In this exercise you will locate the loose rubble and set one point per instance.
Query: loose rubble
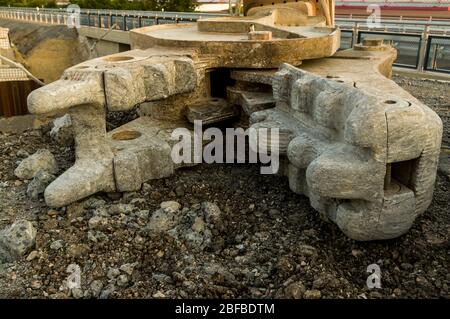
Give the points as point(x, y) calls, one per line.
point(42, 160)
point(226, 232)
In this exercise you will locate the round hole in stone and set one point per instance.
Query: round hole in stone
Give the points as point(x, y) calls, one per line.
point(118, 58)
point(126, 135)
point(390, 102)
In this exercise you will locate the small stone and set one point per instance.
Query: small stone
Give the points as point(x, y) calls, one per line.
point(97, 222)
point(32, 255)
point(318, 283)
point(16, 240)
point(307, 251)
point(52, 212)
point(106, 293)
point(37, 186)
point(159, 294)
point(122, 209)
point(101, 212)
point(42, 160)
point(162, 220)
point(212, 212)
point(78, 250)
point(128, 268)
point(77, 293)
point(57, 244)
point(179, 190)
point(36, 284)
point(96, 288)
point(93, 203)
point(170, 206)
point(295, 290)
point(113, 273)
point(143, 214)
point(357, 253)
point(122, 281)
point(195, 239)
point(199, 225)
point(313, 294)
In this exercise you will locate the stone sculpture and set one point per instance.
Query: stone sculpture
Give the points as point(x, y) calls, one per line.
point(363, 150)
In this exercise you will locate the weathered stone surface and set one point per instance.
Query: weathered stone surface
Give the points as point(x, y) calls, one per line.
point(16, 240)
point(366, 160)
point(42, 160)
point(162, 220)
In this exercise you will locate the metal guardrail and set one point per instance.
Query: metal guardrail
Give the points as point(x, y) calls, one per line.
point(422, 45)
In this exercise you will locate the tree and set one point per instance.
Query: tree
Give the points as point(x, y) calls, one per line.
point(145, 5)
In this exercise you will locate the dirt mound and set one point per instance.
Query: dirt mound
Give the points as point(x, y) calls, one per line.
point(46, 50)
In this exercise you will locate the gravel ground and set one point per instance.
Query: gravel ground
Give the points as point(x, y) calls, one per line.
point(228, 232)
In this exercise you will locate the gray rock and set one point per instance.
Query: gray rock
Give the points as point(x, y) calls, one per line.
point(17, 240)
point(199, 225)
point(62, 131)
point(113, 273)
point(295, 290)
point(93, 202)
point(101, 212)
point(57, 244)
point(106, 293)
point(194, 238)
point(128, 268)
point(170, 206)
point(162, 220)
point(212, 212)
point(143, 214)
point(42, 160)
point(122, 209)
point(96, 288)
point(37, 186)
point(163, 278)
point(77, 293)
point(122, 281)
point(97, 222)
